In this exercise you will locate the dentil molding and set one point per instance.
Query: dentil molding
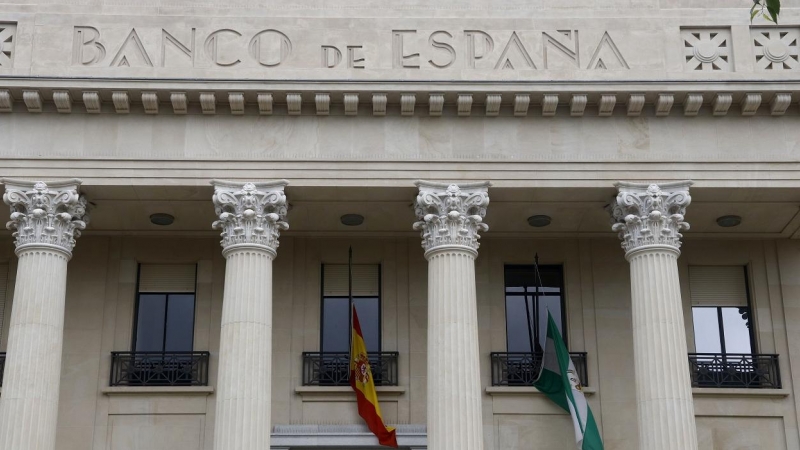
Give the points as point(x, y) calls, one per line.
point(650, 214)
point(457, 99)
point(451, 215)
point(42, 213)
point(250, 213)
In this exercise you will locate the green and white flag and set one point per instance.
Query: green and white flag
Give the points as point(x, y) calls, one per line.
point(560, 382)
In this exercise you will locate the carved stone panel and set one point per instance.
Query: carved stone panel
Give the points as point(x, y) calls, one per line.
point(776, 48)
point(7, 41)
point(707, 49)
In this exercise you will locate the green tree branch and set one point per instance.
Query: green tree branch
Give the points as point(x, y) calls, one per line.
point(768, 9)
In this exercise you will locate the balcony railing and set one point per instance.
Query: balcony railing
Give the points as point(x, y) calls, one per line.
point(333, 369)
point(521, 369)
point(2, 367)
point(734, 370)
point(159, 369)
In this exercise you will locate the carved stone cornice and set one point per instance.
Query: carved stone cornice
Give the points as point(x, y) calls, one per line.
point(50, 214)
point(334, 97)
point(250, 213)
point(451, 215)
point(650, 214)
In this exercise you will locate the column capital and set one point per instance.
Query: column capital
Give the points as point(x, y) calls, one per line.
point(46, 214)
point(650, 214)
point(450, 214)
point(250, 213)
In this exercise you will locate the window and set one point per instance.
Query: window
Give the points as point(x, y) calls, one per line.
point(723, 335)
point(165, 308)
point(522, 288)
point(331, 365)
point(529, 296)
point(721, 310)
point(163, 338)
point(335, 333)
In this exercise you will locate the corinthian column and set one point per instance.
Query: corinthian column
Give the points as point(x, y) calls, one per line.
point(251, 216)
point(649, 219)
point(450, 218)
point(46, 220)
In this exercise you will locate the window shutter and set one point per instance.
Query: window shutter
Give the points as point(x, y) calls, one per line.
point(366, 281)
point(717, 286)
point(171, 278)
point(3, 293)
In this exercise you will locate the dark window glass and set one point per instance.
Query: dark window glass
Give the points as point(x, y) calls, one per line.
point(516, 324)
point(528, 298)
point(336, 323)
point(369, 318)
point(180, 323)
point(165, 323)
point(722, 329)
point(150, 322)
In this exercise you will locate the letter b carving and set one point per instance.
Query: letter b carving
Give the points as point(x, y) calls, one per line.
point(86, 50)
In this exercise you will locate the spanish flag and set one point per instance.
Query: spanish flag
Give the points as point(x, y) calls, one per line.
point(362, 383)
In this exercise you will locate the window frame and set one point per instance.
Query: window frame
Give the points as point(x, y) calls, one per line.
point(350, 316)
point(135, 334)
point(720, 323)
point(563, 294)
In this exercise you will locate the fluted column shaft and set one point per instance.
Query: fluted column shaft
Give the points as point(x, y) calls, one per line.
point(29, 403)
point(454, 386)
point(46, 220)
point(450, 218)
point(245, 351)
point(649, 220)
point(663, 387)
point(251, 216)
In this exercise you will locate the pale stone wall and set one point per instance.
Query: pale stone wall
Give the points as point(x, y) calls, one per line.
point(393, 151)
point(100, 295)
point(125, 94)
point(406, 40)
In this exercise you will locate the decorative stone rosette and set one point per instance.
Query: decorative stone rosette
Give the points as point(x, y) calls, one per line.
point(651, 214)
point(451, 215)
point(51, 214)
point(250, 213)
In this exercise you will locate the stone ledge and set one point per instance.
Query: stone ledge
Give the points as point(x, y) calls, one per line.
point(732, 392)
point(345, 393)
point(344, 436)
point(526, 390)
point(390, 390)
point(157, 390)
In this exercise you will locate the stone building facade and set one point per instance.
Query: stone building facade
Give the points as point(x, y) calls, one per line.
point(136, 137)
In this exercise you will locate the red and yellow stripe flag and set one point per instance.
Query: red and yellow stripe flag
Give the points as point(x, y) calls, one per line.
point(362, 383)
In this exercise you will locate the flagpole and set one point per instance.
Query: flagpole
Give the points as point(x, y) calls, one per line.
point(536, 292)
point(350, 292)
point(530, 330)
point(539, 283)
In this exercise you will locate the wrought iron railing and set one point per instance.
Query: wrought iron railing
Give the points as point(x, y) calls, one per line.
point(735, 370)
point(521, 369)
point(333, 369)
point(159, 369)
point(2, 366)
